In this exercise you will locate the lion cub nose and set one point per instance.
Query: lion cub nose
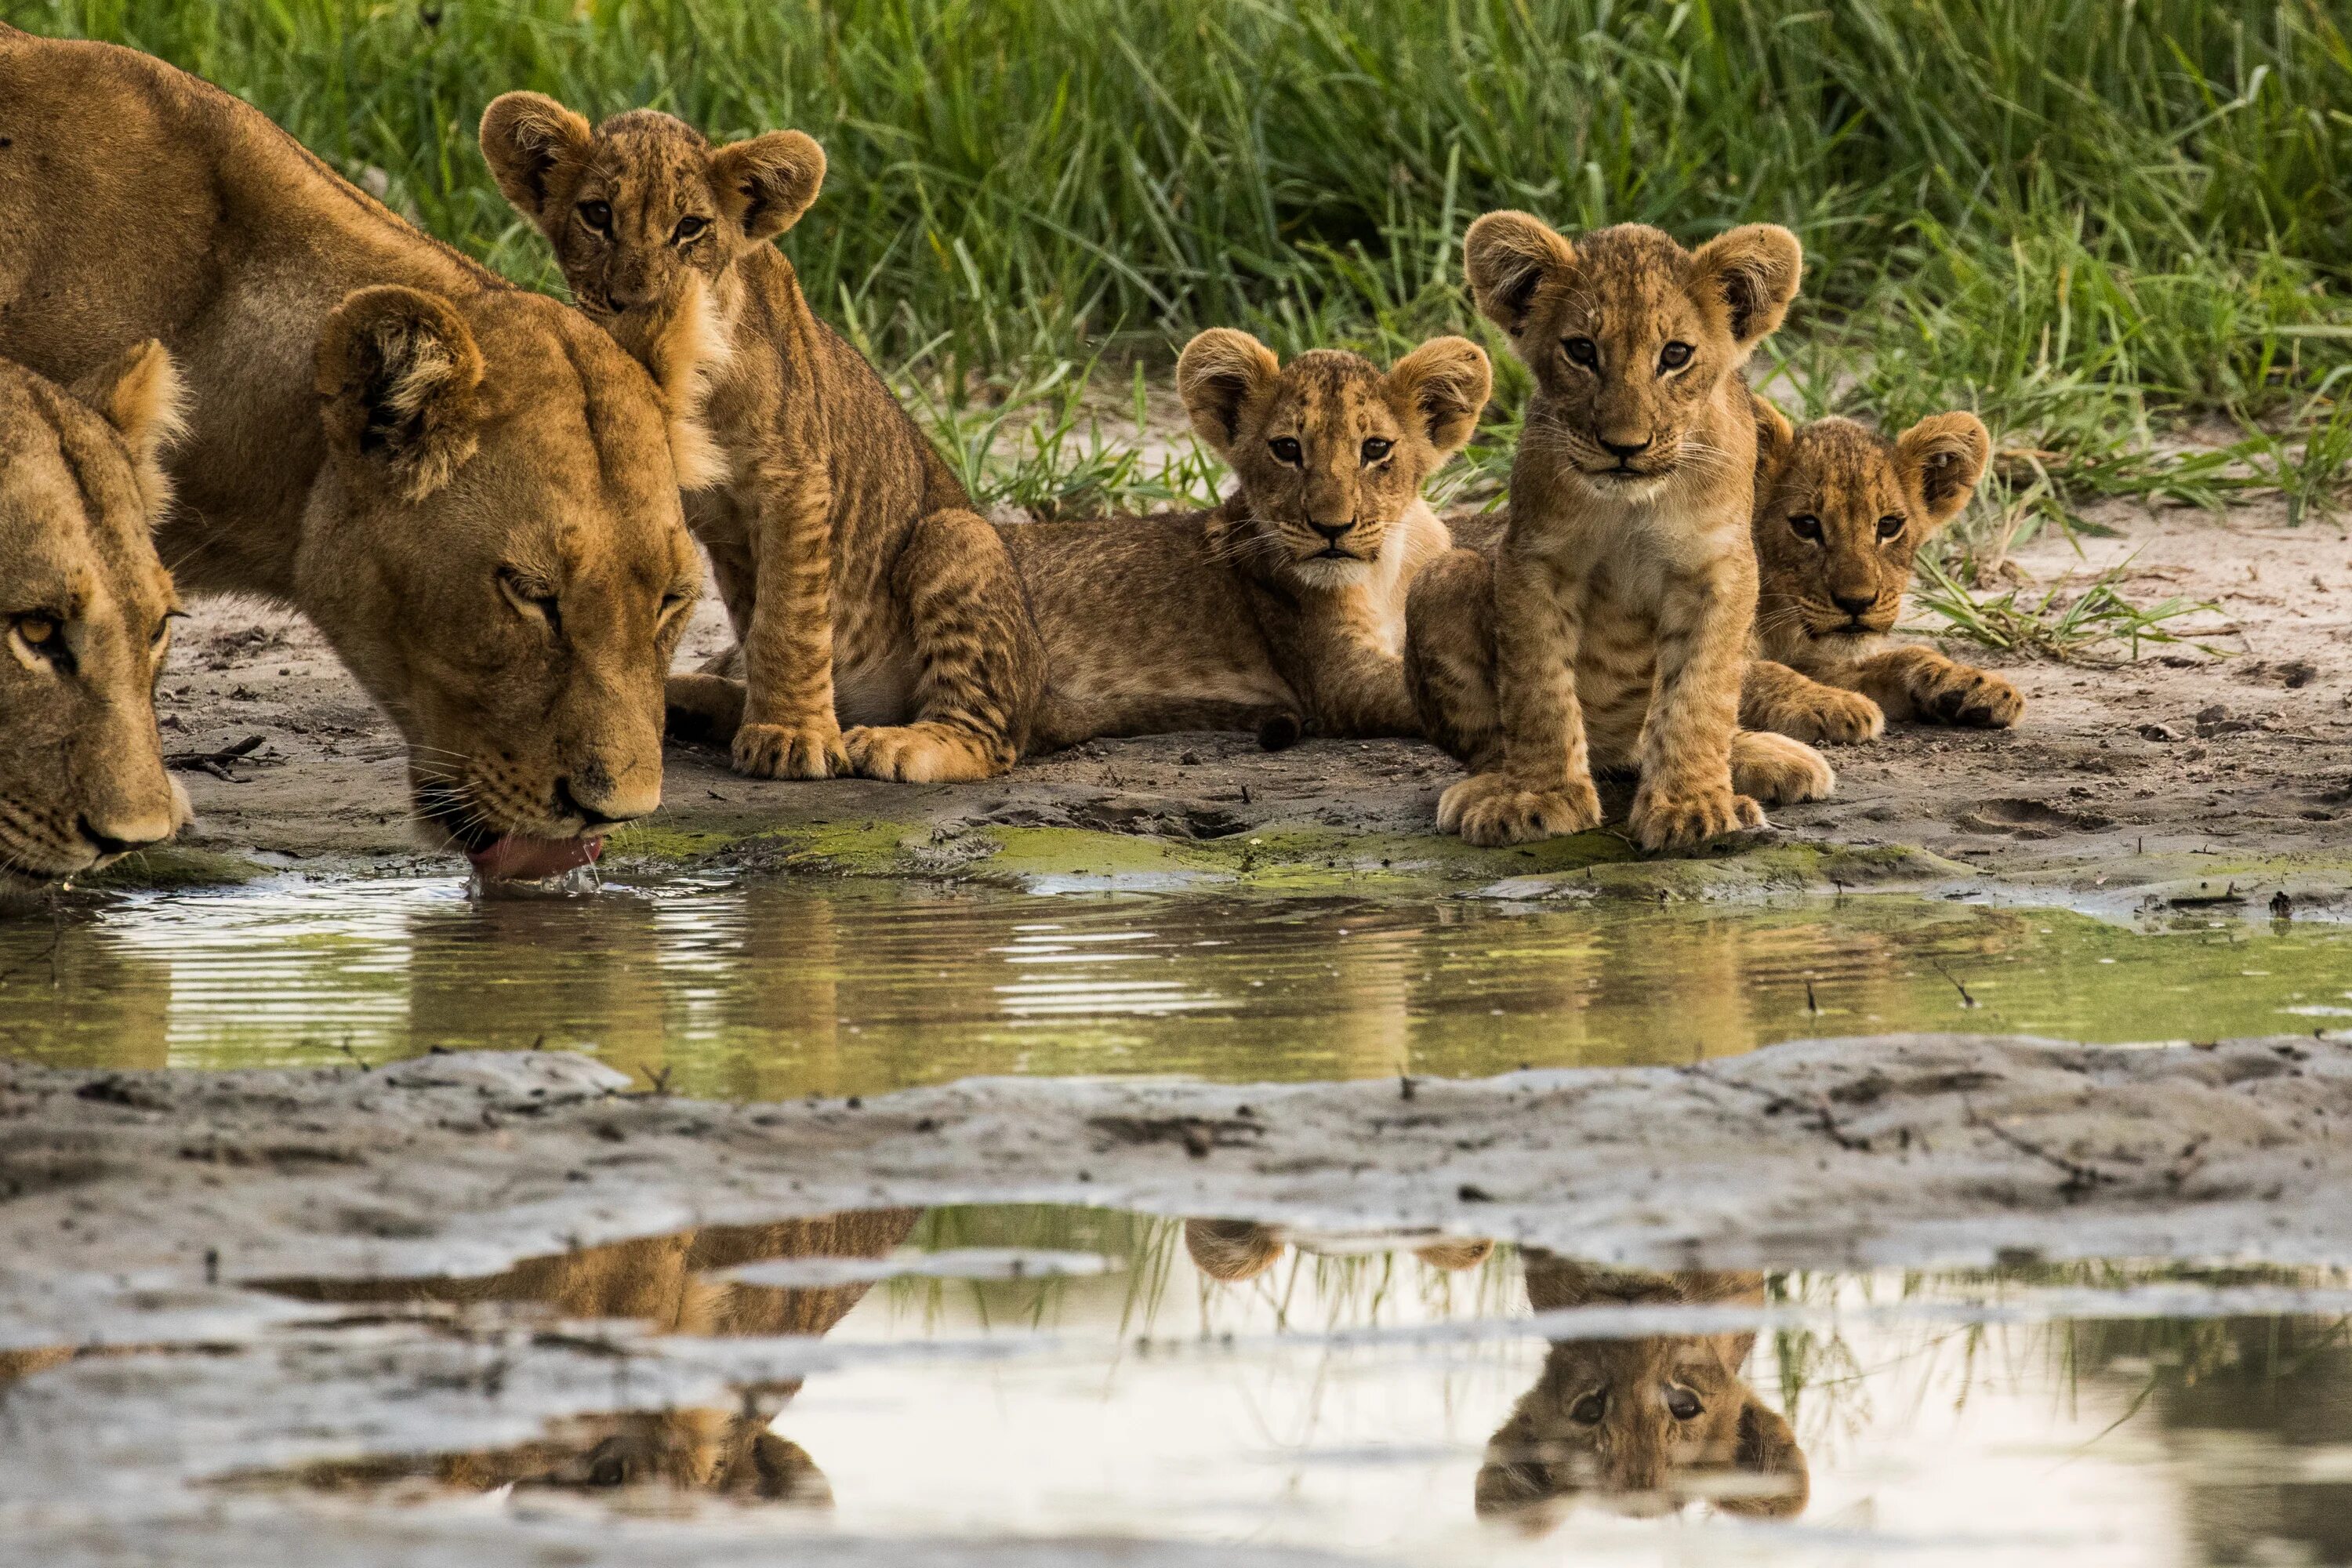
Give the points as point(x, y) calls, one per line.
point(1853, 604)
point(1333, 531)
point(1620, 450)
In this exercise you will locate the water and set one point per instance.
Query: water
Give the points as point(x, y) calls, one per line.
point(779, 987)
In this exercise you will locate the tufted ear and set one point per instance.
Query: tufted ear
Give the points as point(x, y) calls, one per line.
point(535, 148)
point(680, 341)
point(1507, 255)
point(1754, 271)
point(1775, 438)
point(1943, 456)
point(1232, 1250)
point(1218, 375)
point(1768, 1449)
point(765, 184)
point(400, 374)
point(139, 392)
point(1444, 383)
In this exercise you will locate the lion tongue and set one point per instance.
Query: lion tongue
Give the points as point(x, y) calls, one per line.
point(520, 858)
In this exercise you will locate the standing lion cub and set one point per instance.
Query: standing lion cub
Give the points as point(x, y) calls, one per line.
point(1611, 626)
point(861, 584)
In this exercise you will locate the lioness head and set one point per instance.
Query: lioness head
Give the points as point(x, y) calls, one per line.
point(496, 462)
point(1840, 513)
point(1632, 338)
point(641, 205)
point(84, 608)
point(1330, 450)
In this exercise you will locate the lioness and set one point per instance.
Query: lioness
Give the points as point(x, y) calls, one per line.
point(1283, 607)
point(468, 487)
point(85, 607)
point(1610, 627)
point(863, 588)
point(1840, 513)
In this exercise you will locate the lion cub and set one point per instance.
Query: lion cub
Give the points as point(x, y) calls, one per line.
point(84, 611)
point(864, 588)
point(1609, 625)
point(1840, 513)
point(1282, 609)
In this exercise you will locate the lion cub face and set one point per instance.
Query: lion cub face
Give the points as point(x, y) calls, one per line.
point(83, 609)
point(637, 204)
point(1840, 513)
point(1632, 339)
point(1329, 451)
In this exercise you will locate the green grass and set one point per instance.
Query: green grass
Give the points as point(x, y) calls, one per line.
point(2088, 220)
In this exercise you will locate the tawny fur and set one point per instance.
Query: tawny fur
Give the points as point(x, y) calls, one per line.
point(882, 628)
point(1282, 609)
point(467, 486)
point(1840, 515)
point(84, 608)
point(1608, 626)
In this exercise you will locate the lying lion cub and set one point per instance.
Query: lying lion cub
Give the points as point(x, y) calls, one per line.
point(84, 608)
point(1609, 625)
point(862, 585)
point(1283, 608)
point(1840, 513)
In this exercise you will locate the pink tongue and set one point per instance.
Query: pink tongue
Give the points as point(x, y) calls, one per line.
point(516, 859)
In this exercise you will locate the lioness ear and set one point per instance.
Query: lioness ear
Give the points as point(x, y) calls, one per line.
point(766, 183)
point(1754, 271)
point(400, 374)
point(533, 144)
point(1768, 1449)
point(1218, 375)
point(1507, 255)
point(680, 344)
point(1944, 455)
point(1774, 437)
point(1445, 383)
point(139, 394)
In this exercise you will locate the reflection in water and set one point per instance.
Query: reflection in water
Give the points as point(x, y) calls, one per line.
point(777, 988)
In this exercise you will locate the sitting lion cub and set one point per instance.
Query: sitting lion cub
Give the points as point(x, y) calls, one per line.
point(861, 584)
point(84, 608)
point(1840, 513)
point(1609, 625)
point(1283, 608)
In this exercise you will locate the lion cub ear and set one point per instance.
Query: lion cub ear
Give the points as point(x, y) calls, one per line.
point(1444, 383)
point(1943, 456)
point(1768, 1449)
point(1752, 272)
point(1233, 1250)
point(1775, 438)
point(764, 184)
point(680, 344)
point(1507, 255)
point(534, 147)
point(139, 392)
point(400, 374)
point(1220, 374)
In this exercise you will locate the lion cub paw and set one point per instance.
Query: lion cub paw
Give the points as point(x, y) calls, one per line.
point(1778, 771)
point(1688, 821)
point(1833, 717)
point(1976, 698)
point(922, 754)
point(1493, 809)
point(809, 751)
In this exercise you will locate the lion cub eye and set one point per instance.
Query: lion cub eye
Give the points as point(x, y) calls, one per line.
point(689, 228)
point(1589, 1410)
point(597, 215)
point(1805, 525)
point(1286, 450)
point(1889, 526)
point(1682, 1405)
point(1673, 356)
point(1583, 352)
point(1376, 448)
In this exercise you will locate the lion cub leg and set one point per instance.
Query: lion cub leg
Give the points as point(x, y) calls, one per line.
point(704, 707)
point(982, 663)
point(1789, 702)
point(1776, 770)
point(1687, 794)
point(1921, 683)
point(788, 730)
point(1449, 658)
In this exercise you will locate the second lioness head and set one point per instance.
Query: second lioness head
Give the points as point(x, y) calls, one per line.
point(1330, 450)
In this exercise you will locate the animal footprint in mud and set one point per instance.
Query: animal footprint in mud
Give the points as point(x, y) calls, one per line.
point(2028, 818)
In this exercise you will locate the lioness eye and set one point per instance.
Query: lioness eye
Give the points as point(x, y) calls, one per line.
point(1673, 356)
point(597, 215)
point(43, 635)
point(1805, 525)
point(1889, 526)
point(1376, 448)
point(1583, 350)
point(689, 228)
point(1682, 1405)
point(37, 630)
point(1286, 450)
point(1589, 1410)
point(531, 596)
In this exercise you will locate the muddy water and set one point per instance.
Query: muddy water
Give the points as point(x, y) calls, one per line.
point(784, 987)
point(1388, 1395)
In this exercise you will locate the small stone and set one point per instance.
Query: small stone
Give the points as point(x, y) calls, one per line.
point(2158, 732)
